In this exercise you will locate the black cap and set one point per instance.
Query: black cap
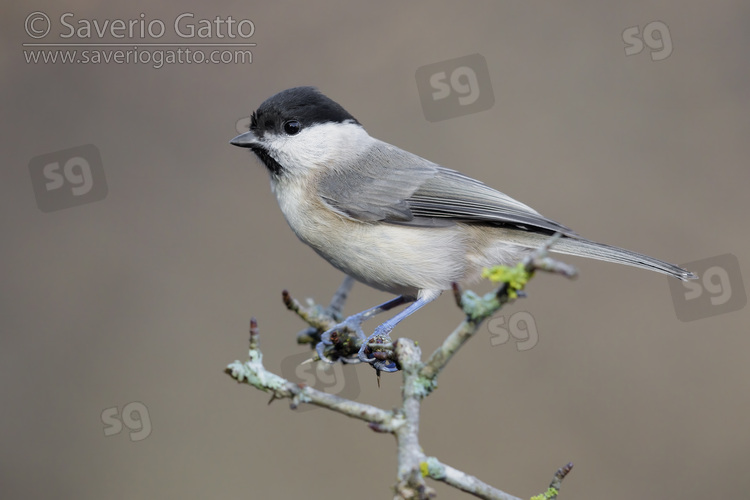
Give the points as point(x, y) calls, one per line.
point(307, 105)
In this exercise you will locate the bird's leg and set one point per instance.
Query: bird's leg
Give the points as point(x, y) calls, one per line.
point(382, 333)
point(354, 324)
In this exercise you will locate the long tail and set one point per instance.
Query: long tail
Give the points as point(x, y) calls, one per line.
point(586, 248)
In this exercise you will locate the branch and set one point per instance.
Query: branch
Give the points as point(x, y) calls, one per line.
point(433, 468)
point(419, 379)
point(410, 482)
point(554, 486)
point(254, 373)
point(477, 309)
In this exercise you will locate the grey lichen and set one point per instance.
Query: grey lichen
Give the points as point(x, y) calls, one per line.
point(478, 308)
point(432, 467)
point(255, 374)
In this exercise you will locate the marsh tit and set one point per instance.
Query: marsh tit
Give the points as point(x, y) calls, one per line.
point(391, 219)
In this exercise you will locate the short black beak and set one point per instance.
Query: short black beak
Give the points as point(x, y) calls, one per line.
point(245, 140)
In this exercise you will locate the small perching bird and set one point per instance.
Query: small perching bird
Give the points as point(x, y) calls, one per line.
point(394, 220)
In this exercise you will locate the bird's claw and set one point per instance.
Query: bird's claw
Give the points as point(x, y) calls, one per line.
point(335, 344)
point(377, 350)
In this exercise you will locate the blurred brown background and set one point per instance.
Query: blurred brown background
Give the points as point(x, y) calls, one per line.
point(144, 296)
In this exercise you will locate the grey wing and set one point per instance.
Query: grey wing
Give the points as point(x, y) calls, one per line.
point(376, 185)
point(392, 185)
point(453, 195)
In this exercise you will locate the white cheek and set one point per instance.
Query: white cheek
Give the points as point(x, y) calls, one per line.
point(304, 150)
point(319, 145)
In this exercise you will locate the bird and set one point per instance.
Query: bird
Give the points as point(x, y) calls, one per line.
point(391, 219)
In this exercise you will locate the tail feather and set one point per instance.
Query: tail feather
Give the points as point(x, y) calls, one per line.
point(586, 248)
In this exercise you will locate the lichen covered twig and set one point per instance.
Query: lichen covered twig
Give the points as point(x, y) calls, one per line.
point(419, 378)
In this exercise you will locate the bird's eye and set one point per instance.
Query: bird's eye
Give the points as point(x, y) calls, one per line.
point(292, 127)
